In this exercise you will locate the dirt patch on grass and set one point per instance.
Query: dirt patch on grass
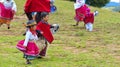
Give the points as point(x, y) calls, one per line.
point(75, 50)
point(16, 27)
point(20, 17)
point(114, 50)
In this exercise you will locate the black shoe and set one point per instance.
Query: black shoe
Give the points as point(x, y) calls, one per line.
point(39, 57)
point(8, 27)
point(75, 25)
point(28, 62)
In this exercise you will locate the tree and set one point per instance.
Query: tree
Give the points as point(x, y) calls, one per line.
point(97, 3)
point(73, 0)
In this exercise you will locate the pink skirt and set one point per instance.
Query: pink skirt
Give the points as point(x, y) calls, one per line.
point(6, 13)
point(80, 13)
point(31, 49)
point(2, 10)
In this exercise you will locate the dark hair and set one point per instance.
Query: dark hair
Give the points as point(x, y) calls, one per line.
point(44, 14)
point(40, 16)
point(30, 22)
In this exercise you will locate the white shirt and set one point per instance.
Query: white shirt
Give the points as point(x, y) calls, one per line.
point(29, 37)
point(10, 4)
point(79, 3)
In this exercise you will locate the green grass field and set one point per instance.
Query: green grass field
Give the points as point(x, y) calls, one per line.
point(73, 46)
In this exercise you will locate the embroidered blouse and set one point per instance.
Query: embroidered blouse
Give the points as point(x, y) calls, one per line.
point(29, 37)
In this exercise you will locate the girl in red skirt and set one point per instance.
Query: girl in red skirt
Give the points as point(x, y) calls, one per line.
point(9, 9)
point(28, 46)
point(80, 11)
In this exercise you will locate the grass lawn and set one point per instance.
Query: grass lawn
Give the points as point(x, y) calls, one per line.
point(73, 46)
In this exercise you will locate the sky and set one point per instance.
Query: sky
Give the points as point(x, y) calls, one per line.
point(115, 0)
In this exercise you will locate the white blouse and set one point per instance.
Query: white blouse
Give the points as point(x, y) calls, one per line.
point(10, 4)
point(79, 3)
point(29, 37)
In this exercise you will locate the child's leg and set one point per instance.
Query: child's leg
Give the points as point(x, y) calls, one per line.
point(29, 16)
point(87, 26)
point(43, 52)
point(77, 23)
point(8, 24)
point(27, 60)
point(24, 56)
point(90, 26)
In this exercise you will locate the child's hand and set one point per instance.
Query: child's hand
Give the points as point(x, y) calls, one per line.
point(41, 32)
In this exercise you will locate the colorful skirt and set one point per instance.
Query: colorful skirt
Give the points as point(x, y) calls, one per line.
point(31, 49)
point(80, 13)
point(2, 10)
point(42, 44)
point(6, 13)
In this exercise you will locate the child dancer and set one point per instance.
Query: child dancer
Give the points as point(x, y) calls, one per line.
point(7, 11)
point(44, 27)
point(10, 8)
point(80, 10)
point(28, 46)
point(89, 19)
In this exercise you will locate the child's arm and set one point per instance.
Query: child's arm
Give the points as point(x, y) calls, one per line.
point(26, 39)
point(14, 8)
point(39, 33)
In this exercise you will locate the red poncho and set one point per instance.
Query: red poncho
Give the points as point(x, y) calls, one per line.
point(37, 6)
point(45, 28)
point(89, 18)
